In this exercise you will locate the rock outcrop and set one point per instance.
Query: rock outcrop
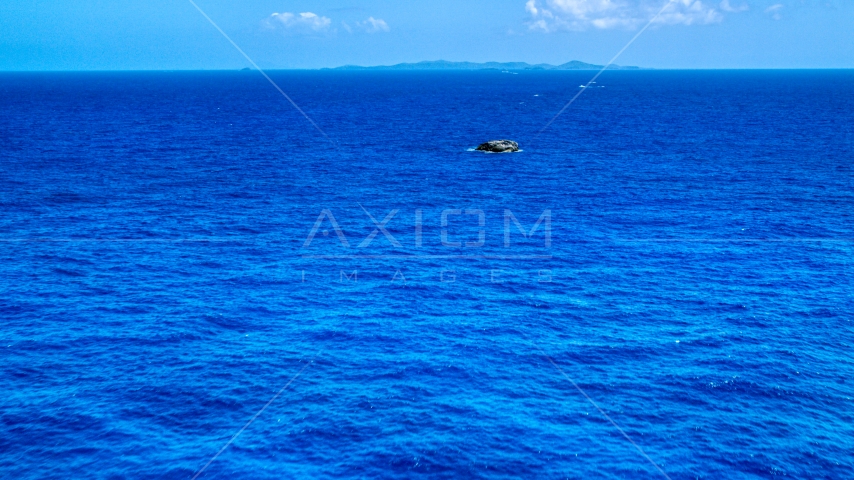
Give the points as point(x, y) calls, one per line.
point(499, 146)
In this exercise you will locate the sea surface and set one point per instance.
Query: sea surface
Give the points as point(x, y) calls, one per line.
point(182, 253)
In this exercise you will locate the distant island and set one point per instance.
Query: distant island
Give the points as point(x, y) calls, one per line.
point(445, 65)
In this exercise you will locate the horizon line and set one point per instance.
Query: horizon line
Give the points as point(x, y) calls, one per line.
point(357, 67)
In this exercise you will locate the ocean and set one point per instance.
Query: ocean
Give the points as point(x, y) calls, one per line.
point(196, 282)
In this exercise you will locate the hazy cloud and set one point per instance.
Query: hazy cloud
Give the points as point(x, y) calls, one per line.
point(311, 23)
point(304, 22)
point(373, 25)
point(774, 11)
point(551, 15)
point(728, 7)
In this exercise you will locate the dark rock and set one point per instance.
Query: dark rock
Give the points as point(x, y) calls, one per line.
point(499, 146)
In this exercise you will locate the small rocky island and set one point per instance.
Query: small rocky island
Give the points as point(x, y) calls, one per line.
point(499, 146)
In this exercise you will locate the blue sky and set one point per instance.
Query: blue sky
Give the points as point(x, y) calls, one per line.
point(171, 34)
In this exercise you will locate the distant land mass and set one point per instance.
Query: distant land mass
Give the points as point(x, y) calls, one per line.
point(445, 65)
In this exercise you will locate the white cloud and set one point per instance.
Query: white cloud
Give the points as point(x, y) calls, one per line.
point(551, 15)
point(306, 22)
point(774, 10)
point(311, 23)
point(373, 25)
point(727, 7)
point(531, 7)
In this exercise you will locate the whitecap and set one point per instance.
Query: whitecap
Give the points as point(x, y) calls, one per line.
point(497, 153)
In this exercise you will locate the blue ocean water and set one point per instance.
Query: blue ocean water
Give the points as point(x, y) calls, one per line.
point(180, 247)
